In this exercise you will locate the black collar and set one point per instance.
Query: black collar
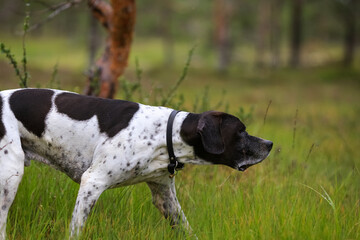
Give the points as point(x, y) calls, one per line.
point(174, 165)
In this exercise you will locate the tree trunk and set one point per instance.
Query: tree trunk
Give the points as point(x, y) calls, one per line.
point(222, 32)
point(118, 18)
point(296, 32)
point(262, 33)
point(166, 16)
point(276, 33)
point(350, 33)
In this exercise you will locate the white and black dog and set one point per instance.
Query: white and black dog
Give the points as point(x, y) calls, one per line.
point(102, 143)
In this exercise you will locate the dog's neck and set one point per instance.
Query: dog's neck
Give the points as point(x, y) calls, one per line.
point(184, 131)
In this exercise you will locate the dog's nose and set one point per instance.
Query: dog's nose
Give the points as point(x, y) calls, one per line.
point(269, 145)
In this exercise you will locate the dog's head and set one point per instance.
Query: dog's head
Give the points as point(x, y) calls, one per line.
point(221, 138)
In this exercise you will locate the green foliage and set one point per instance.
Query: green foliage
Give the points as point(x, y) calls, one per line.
point(138, 78)
point(23, 74)
point(94, 78)
point(133, 91)
point(129, 89)
point(203, 101)
point(54, 80)
point(167, 100)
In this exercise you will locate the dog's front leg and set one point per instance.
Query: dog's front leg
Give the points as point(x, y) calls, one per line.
point(164, 198)
point(11, 172)
point(91, 187)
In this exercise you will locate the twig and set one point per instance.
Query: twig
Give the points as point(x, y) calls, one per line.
point(49, 6)
point(56, 10)
point(12, 59)
point(23, 80)
point(310, 151)
point(138, 77)
point(267, 110)
point(181, 79)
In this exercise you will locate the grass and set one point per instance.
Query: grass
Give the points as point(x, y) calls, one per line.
point(307, 191)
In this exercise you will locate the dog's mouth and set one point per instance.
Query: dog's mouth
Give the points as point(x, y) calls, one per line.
point(244, 167)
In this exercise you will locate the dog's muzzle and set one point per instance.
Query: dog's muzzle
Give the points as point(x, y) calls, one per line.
point(248, 163)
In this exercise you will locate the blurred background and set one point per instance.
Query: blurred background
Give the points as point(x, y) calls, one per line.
point(231, 37)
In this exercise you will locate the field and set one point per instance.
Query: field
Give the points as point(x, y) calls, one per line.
point(308, 188)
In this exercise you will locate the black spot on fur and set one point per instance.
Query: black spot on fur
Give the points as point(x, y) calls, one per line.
point(6, 192)
point(30, 107)
point(2, 127)
point(3, 207)
point(6, 152)
point(113, 115)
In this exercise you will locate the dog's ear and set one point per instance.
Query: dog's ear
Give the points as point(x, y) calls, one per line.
point(209, 128)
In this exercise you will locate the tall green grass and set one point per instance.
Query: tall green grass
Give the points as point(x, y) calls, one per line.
point(308, 188)
point(307, 191)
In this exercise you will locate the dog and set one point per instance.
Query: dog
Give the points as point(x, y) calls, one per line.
point(102, 143)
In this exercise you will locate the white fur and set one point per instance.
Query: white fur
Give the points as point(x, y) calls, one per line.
point(136, 154)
